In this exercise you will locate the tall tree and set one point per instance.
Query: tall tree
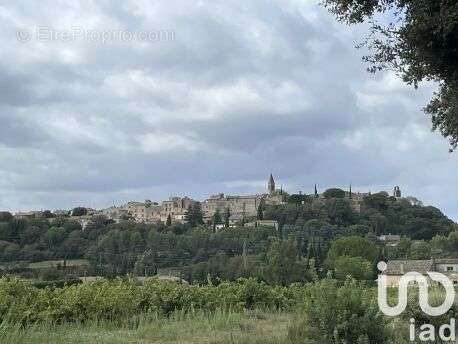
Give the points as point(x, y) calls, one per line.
point(194, 215)
point(227, 216)
point(260, 210)
point(419, 42)
point(216, 218)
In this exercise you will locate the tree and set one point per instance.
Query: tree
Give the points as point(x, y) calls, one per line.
point(260, 210)
point(194, 215)
point(146, 264)
point(379, 201)
point(334, 193)
point(439, 244)
point(216, 219)
point(378, 222)
point(420, 250)
point(5, 216)
point(168, 223)
point(227, 216)
point(298, 199)
point(283, 266)
point(453, 241)
point(420, 42)
point(356, 267)
point(79, 211)
point(352, 246)
point(339, 211)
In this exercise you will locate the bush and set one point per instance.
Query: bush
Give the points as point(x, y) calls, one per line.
point(334, 314)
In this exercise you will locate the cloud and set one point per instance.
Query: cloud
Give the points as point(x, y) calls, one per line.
point(243, 89)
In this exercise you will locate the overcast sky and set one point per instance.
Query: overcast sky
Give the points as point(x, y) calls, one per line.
point(201, 97)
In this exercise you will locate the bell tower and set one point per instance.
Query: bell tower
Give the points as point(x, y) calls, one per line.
point(271, 185)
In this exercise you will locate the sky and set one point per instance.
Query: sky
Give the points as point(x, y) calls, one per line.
point(102, 102)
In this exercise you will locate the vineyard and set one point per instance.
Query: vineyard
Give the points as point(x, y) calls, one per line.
point(125, 299)
point(244, 311)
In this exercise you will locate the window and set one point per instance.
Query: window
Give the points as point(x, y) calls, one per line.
point(450, 268)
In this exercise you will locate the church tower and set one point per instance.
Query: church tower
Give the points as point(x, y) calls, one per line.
point(271, 185)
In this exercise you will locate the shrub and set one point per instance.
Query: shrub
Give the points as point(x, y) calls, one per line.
point(334, 314)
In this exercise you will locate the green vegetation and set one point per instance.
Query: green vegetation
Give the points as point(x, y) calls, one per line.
point(123, 300)
point(334, 193)
point(246, 311)
point(313, 238)
point(256, 327)
point(237, 284)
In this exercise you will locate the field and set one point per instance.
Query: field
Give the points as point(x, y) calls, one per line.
point(217, 327)
point(243, 311)
point(46, 264)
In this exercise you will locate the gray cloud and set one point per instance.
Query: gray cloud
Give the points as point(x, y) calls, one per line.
point(245, 88)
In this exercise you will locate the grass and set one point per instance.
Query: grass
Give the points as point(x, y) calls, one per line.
point(200, 328)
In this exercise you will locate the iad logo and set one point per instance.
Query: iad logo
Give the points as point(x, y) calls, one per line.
point(427, 332)
point(422, 282)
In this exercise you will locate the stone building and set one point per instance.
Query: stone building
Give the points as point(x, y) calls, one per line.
point(29, 215)
point(242, 207)
point(141, 211)
point(150, 212)
point(176, 207)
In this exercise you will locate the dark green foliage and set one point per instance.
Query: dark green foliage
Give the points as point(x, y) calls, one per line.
point(5, 216)
point(352, 246)
point(194, 215)
point(353, 256)
point(355, 267)
point(298, 199)
point(260, 211)
point(419, 40)
point(385, 215)
point(216, 218)
point(334, 193)
point(79, 211)
point(339, 212)
point(227, 216)
point(283, 267)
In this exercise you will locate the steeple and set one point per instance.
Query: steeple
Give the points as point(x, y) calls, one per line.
point(271, 185)
point(316, 191)
point(351, 195)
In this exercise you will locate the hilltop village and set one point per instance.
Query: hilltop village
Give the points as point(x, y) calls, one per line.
point(239, 208)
